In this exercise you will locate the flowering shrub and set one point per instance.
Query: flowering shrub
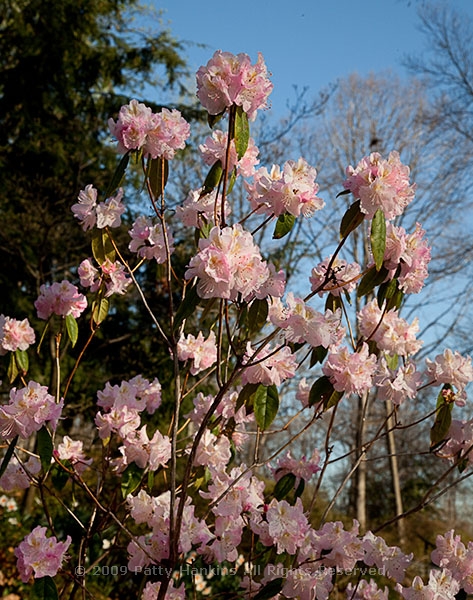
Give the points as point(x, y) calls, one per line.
point(172, 497)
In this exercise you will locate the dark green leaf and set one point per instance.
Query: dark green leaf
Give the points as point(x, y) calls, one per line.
point(284, 224)
point(318, 355)
point(158, 172)
point(8, 455)
point(351, 219)
point(100, 310)
point(72, 329)
point(378, 238)
point(246, 396)
point(443, 418)
point(334, 399)
point(118, 175)
point(44, 588)
point(370, 280)
point(45, 448)
point(266, 404)
point(386, 290)
point(131, 479)
point(300, 488)
point(59, 476)
point(320, 391)
point(396, 300)
point(213, 178)
point(102, 247)
point(214, 119)
point(257, 315)
point(284, 486)
point(21, 358)
point(242, 132)
point(344, 193)
point(270, 590)
point(188, 306)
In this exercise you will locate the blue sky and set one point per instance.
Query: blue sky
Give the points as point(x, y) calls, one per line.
point(304, 42)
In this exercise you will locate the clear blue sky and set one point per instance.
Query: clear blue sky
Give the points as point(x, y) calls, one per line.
point(304, 42)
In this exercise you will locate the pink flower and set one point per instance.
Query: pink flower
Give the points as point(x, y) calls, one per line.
point(381, 183)
point(212, 451)
point(202, 352)
point(17, 476)
point(276, 368)
point(149, 240)
point(292, 190)
point(151, 591)
point(397, 385)
point(29, 409)
point(338, 547)
point(15, 335)
point(198, 209)
point(342, 277)
point(113, 277)
point(351, 372)
point(60, 299)
point(409, 252)
point(441, 586)
point(73, 451)
point(389, 558)
point(228, 79)
point(215, 148)
point(366, 591)
point(104, 214)
point(287, 525)
point(451, 367)
point(229, 263)
point(302, 468)
point(40, 556)
point(158, 134)
point(145, 452)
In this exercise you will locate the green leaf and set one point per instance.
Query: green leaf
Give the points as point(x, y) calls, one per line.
point(59, 476)
point(257, 315)
point(102, 247)
point(300, 488)
point(8, 455)
point(370, 280)
point(187, 306)
point(12, 372)
point(242, 132)
point(270, 590)
point(351, 219)
point(45, 448)
point(118, 175)
point(131, 479)
point(100, 310)
point(158, 172)
point(21, 358)
point(386, 290)
point(378, 238)
point(392, 360)
point(320, 391)
point(213, 178)
point(212, 120)
point(266, 404)
point(246, 395)
point(284, 224)
point(396, 300)
point(443, 418)
point(44, 588)
point(72, 329)
point(284, 486)
point(333, 302)
point(318, 355)
point(333, 400)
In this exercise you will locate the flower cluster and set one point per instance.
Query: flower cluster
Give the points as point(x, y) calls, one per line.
point(351, 372)
point(380, 184)
point(156, 134)
point(39, 555)
point(291, 189)
point(112, 275)
point(15, 335)
point(334, 275)
point(61, 299)
point(101, 215)
point(229, 263)
point(228, 79)
point(150, 240)
point(215, 149)
point(28, 410)
point(451, 368)
point(202, 352)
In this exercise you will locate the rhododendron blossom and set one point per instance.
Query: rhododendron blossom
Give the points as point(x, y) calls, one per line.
point(292, 190)
point(15, 335)
point(28, 410)
point(104, 214)
point(380, 184)
point(342, 276)
point(451, 368)
point(73, 451)
point(268, 366)
point(229, 263)
point(215, 149)
point(229, 79)
point(39, 555)
point(17, 475)
point(149, 240)
point(113, 276)
point(351, 372)
point(60, 299)
point(199, 209)
point(157, 135)
point(202, 352)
